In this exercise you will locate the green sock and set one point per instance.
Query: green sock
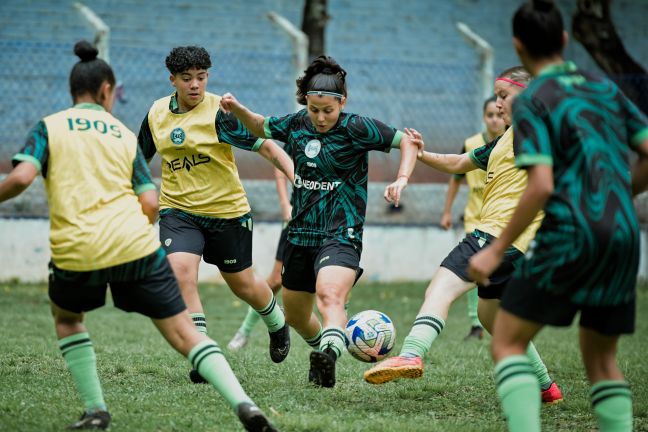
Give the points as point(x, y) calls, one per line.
point(315, 341)
point(81, 362)
point(473, 299)
point(335, 339)
point(425, 330)
point(519, 392)
point(251, 318)
point(539, 367)
point(612, 403)
point(272, 316)
point(200, 322)
point(207, 358)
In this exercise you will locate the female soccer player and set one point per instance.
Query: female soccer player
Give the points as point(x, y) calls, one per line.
point(504, 185)
point(573, 135)
point(330, 150)
point(204, 210)
point(102, 203)
point(476, 180)
point(242, 335)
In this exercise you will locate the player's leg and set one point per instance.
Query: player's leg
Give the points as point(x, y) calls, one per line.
point(444, 288)
point(550, 392)
point(476, 330)
point(74, 294)
point(517, 385)
point(298, 306)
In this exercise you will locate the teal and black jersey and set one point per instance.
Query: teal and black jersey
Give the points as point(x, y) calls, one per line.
point(584, 127)
point(330, 191)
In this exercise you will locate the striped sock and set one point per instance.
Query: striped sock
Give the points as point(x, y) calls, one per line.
point(333, 338)
point(425, 330)
point(473, 300)
point(207, 358)
point(200, 322)
point(519, 392)
point(81, 361)
point(272, 316)
point(251, 318)
point(612, 404)
point(539, 367)
point(315, 341)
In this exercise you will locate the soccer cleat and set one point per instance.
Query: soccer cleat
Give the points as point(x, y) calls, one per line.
point(322, 368)
point(280, 344)
point(476, 332)
point(552, 395)
point(196, 378)
point(394, 368)
point(238, 341)
point(95, 420)
point(253, 418)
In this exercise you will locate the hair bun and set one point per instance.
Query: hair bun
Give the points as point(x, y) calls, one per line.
point(85, 51)
point(543, 5)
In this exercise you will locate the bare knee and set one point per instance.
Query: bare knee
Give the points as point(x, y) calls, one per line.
point(327, 298)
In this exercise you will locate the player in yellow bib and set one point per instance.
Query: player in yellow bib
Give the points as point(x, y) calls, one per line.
point(102, 203)
point(476, 180)
point(504, 186)
point(204, 211)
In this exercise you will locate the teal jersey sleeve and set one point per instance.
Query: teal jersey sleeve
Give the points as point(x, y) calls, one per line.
point(36, 149)
point(480, 155)
point(531, 140)
point(279, 127)
point(141, 179)
point(371, 134)
point(231, 131)
point(145, 140)
point(636, 121)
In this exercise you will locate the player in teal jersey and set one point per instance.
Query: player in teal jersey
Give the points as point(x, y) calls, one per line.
point(330, 151)
point(102, 203)
point(574, 135)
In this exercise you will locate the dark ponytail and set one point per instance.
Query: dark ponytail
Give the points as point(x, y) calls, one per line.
point(539, 26)
point(90, 72)
point(324, 74)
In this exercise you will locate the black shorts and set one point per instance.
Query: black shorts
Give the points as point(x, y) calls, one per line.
point(302, 263)
point(226, 243)
point(525, 300)
point(457, 263)
point(147, 286)
point(281, 247)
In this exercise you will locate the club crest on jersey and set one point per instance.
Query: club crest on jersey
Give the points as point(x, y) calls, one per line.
point(177, 136)
point(312, 148)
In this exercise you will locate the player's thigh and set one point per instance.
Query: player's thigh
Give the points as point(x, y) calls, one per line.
point(447, 284)
point(185, 267)
point(512, 334)
point(337, 266)
point(334, 284)
point(178, 233)
point(487, 311)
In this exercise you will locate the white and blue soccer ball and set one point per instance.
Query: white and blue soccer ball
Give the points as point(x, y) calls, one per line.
point(370, 336)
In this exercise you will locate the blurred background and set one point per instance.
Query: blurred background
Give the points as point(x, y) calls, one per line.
point(426, 64)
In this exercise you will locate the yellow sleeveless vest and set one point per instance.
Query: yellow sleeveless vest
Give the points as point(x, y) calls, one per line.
point(476, 180)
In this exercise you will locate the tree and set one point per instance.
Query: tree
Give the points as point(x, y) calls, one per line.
point(593, 27)
point(314, 25)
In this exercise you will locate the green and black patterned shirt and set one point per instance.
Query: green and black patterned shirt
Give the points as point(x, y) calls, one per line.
point(330, 193)
point(585, 128)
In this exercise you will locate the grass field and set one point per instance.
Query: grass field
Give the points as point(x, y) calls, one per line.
point(147, 388)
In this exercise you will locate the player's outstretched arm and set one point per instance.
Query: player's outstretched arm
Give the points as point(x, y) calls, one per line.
point(282, 193)
point(450, 163)
point(251, 120)
point(409, 148)
point(18, 180)
point(271, 151)
point(640, 169)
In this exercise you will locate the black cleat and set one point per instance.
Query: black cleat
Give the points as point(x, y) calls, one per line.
point(95, 420)
point(280, 344)
point(253, 418)
point(196, 378)
point(322, 368)
point(476, 332)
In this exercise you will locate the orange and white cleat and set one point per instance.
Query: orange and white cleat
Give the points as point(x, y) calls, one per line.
point(394, 368)
point(552, 395)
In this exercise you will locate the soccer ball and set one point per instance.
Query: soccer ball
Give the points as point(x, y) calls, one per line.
point(370, 336)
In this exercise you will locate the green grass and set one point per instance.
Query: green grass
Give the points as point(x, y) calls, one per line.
point(147, 389)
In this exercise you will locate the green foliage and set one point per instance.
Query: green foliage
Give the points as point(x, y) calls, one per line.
point(147, 388)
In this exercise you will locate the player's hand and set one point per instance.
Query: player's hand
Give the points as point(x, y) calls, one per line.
point(483, 264)
point(394, 190)
point(446, 221)
point(229, 103)
point(417, 139)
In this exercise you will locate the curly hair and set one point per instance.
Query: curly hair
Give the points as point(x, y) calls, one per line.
point(181, 59)
point(323, 74)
